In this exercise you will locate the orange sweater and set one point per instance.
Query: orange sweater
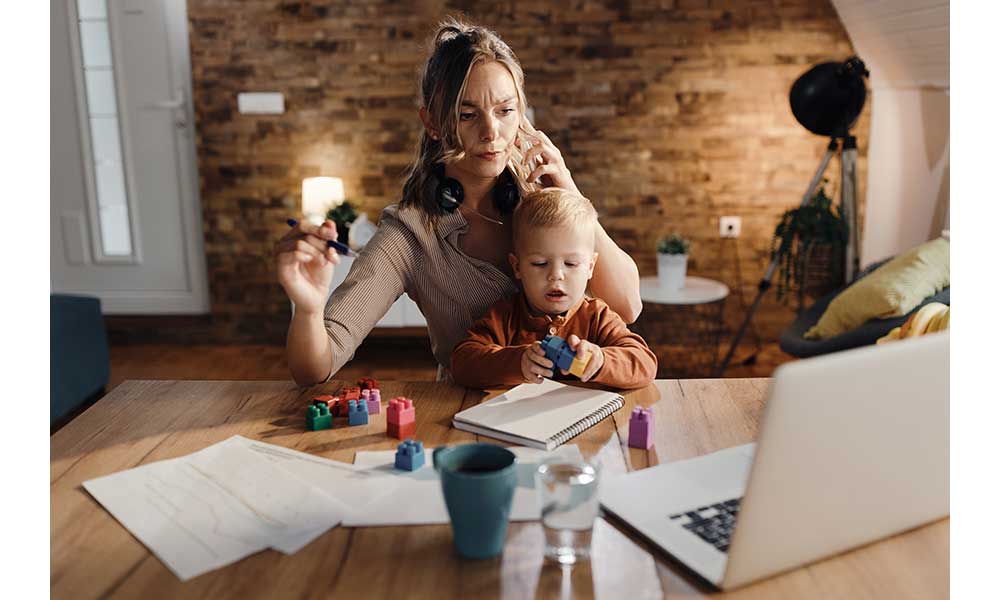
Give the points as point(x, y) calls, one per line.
point(491, 354)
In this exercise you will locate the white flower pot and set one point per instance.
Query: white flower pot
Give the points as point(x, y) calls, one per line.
point(671, 269)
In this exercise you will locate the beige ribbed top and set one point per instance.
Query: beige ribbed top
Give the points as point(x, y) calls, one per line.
point(406, 254)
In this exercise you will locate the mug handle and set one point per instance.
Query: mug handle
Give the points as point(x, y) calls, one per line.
point(434, 456)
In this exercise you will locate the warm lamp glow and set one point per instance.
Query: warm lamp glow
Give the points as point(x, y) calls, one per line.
point(320, 194)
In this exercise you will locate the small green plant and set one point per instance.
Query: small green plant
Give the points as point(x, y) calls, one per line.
point(343, 216)
point(801, 233)
point(672, 244)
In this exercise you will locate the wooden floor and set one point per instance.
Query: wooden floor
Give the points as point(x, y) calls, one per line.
point(386, 358)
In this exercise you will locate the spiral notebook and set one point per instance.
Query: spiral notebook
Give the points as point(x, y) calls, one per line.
point(542, 415)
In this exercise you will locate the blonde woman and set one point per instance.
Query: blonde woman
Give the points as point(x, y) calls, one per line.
point(446, 242)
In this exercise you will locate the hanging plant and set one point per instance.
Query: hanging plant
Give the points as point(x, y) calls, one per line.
point(803, 234)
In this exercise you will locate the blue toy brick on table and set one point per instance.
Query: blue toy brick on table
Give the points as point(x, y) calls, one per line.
point(357, 412)
point(318, 417)
point(410, 455)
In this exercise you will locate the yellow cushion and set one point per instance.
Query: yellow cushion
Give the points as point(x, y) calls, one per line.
point(892, 290)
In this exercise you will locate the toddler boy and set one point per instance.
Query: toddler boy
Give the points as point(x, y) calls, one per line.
point(555, 236)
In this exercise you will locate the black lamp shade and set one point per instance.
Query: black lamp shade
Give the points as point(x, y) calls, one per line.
point(828, 98)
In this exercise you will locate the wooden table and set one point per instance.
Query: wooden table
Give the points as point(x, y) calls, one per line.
point(93, 556)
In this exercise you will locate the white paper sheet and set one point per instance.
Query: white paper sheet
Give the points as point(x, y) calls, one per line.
point(350, 487)
point(213, 507)
point(417, 499)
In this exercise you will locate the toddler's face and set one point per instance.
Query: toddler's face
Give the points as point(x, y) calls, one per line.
point(554, 265)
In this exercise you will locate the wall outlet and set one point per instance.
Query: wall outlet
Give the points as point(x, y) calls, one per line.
point(729, 227)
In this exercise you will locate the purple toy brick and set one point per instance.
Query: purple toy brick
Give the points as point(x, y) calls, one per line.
point(640, 428)
point(371, 397)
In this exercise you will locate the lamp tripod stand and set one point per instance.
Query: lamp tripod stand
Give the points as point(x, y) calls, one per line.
point(848, 146)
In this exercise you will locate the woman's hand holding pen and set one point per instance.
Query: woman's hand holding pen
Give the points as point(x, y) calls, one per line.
point(305, 263)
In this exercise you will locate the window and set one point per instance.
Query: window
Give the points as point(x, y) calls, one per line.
point(105, 138)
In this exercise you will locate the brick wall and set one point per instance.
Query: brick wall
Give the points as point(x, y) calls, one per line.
point(670, 114)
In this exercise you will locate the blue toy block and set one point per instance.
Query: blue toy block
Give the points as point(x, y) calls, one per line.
point(357, 412)
point(558, 351)
point(410, 455)
point(318, 417)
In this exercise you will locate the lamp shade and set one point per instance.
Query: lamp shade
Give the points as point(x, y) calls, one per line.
point(828, 98)
point(320, 194)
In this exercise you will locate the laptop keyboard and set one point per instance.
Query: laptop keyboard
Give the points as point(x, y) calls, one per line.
point(713, 523)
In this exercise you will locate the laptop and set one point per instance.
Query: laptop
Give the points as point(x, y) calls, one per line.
point(853, 447)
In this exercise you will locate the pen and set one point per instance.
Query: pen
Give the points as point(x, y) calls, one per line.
point(343, 249)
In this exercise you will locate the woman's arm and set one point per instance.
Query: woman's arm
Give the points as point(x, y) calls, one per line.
point(616, 278)
point(323, 335)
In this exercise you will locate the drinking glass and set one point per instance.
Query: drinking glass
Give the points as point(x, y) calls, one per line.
point(567, 493)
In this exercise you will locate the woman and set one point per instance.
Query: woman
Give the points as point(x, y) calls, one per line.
point(446, 242)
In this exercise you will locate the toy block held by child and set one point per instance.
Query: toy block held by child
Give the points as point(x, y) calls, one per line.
point(640, 428)
point(558, 351)
point(410, 455)
point(400, 418)
point(318, 417)
point(357, 412)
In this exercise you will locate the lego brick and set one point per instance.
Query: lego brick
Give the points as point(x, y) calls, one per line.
point(410, 455)
point(558, 351)
point(640, 428)
point(351, 393)
point(400, 411)
point(368, 383)
point(357, 412)
point(318, 417)
point(401, 432)
point(374, 404)
point(579, 364)
point(325, 399)
point(338, 407)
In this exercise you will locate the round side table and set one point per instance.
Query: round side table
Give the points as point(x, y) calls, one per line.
point(683, 327)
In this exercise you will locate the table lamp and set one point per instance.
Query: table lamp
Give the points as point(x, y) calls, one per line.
point(319, 195)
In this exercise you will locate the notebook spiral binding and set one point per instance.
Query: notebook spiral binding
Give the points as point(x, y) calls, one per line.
point(587, 422)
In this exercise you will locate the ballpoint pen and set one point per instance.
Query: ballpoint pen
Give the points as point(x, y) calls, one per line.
point(341, 248)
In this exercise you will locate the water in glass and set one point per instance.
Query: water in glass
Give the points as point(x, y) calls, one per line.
point(567, 491)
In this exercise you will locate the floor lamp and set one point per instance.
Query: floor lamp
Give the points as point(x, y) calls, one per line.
point(826, 100)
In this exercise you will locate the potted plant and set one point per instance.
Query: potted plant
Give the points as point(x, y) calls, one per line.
point(343, 215)
point(671, 261)
point(809, 242)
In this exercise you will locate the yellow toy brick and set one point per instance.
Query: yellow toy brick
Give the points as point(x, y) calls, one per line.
point(579, 364)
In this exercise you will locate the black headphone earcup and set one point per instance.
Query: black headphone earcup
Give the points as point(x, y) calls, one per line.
point(449, 194)
point(506, 195)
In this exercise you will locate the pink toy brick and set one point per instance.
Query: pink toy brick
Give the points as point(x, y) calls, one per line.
point(640, 428)
point(374, 404)
point(400, 418)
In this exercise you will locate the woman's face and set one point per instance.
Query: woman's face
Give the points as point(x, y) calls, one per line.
point(488, 121)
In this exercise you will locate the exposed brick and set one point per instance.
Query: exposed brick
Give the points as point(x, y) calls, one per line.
point(669, 113)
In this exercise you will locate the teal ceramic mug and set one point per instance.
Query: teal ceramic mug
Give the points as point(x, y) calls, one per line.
point(478, 482)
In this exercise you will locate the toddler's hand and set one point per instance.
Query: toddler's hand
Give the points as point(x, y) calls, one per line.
point(581, 347)
point(534, 365)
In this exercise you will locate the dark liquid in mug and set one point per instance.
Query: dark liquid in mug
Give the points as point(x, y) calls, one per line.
point(476, 469)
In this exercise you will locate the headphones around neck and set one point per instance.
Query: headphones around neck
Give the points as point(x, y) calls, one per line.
point(450, 193)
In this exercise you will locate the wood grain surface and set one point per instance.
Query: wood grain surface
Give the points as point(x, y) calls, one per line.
point(93, 556)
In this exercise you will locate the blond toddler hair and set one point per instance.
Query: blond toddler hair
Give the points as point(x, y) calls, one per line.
point(553, 207)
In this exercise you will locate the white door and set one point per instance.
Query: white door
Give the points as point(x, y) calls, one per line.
point(125, 218)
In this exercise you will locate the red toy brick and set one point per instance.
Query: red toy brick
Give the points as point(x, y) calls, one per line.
point(400, 432)
point(368, 383)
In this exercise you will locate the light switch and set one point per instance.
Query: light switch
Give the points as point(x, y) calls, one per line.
point(261, 103)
